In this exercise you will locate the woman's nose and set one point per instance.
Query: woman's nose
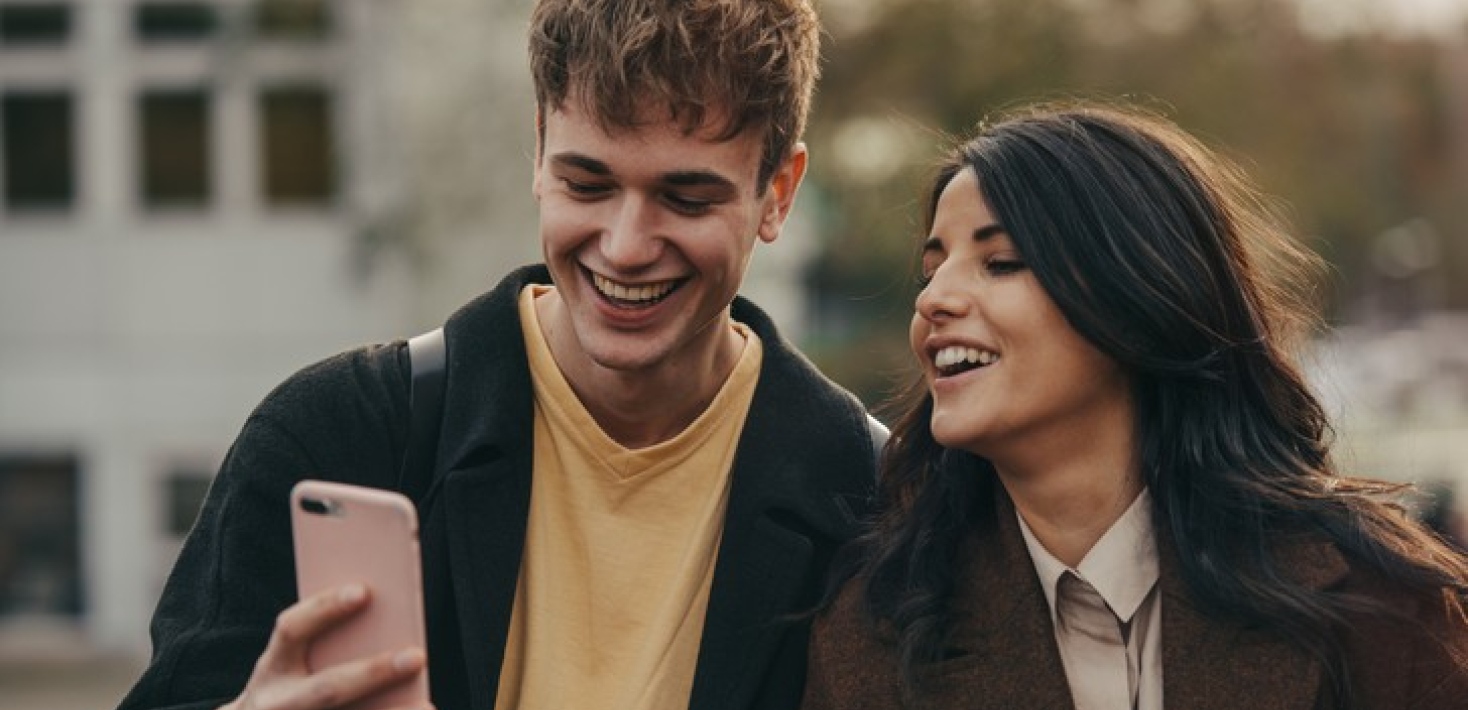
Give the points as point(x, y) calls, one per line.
point(941, 299)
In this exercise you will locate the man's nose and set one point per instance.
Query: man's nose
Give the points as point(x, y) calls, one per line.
point(632, 239)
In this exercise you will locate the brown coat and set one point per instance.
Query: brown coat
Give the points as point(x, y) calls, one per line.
point(1001, 652)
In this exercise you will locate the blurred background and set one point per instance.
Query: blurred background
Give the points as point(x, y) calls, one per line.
point(199, 198)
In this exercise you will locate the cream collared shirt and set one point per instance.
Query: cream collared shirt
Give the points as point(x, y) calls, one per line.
point(1115, 585)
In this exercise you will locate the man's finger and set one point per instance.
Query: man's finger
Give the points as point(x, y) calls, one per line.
point(303, 621)
point(353, 680)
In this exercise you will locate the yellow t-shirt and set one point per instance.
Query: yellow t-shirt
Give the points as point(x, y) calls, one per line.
point(619, 549)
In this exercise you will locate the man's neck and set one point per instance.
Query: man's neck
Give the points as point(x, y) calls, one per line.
point(645, 407)
point(641, 409)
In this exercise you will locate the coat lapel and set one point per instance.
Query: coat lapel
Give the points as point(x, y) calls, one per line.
point(792, 500)
point(486, 509)
point(764, 562)
point(1208, 665)
point(760, 574)
point(1002, 651)
point(478, 508)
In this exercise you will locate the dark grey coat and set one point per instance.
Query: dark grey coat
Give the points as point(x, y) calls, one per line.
point(802, 474)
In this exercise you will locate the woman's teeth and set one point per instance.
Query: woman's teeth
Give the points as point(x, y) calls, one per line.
point(956, 358)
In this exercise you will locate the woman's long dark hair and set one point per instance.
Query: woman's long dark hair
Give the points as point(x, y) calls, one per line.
point(1161, 255)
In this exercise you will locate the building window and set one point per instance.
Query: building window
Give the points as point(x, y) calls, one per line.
point(31, 25)
point(40, 558)
point(293, 19)
point(298, 145)
point(175, 21)
point(174, 143)
point(186, 490)
point(38, 150)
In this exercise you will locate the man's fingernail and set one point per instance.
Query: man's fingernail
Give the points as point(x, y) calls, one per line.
point(352, 593)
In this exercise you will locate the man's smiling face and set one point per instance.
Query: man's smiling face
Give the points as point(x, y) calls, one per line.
point(648, 232)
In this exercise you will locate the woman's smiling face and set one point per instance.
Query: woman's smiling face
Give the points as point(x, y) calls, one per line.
point(1004, 366)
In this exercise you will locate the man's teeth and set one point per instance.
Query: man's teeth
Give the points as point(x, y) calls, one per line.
point(955, 355)
point(620, 292)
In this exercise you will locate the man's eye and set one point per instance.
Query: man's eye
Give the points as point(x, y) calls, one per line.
point(687, 205)
point(584, 188)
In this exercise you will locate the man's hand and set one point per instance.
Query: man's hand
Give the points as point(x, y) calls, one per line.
point(281, 679)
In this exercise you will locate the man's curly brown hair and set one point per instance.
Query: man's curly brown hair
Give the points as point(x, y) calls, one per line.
point(750, 64)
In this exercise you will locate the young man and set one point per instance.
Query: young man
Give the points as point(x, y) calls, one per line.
point(639, 484)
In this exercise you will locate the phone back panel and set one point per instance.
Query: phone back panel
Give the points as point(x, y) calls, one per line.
point(345, 534)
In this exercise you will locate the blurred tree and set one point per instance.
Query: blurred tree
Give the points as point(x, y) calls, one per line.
point(1355, 132)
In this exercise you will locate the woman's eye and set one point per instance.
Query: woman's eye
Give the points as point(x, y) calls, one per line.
point(1004, 267)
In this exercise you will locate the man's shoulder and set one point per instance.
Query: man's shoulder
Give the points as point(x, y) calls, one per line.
point(500, 301)
point(791, 369)
point(817, 421)
point(365, 381)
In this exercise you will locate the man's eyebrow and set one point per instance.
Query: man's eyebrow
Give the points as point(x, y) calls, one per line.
point(581, 162)
point(696, 178)
point(677, 178)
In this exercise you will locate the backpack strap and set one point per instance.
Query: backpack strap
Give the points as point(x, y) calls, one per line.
point(428, 361)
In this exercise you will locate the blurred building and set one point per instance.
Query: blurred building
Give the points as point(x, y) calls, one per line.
point(199, 198)
point(1395, 379)
point(1400, 397)
point(183, 190)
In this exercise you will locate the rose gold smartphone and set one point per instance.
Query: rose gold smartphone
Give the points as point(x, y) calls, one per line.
point(346, 534)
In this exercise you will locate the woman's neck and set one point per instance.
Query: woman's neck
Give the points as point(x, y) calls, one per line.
point(1070, 495)
point(1068, 522)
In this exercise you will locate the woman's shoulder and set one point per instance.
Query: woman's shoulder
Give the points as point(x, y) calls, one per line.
point(1411, 649)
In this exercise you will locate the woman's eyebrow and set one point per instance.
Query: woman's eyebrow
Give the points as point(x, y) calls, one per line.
point(989, 231)
point(984, 233)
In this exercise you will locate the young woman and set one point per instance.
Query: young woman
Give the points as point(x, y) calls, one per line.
point(1113, 488)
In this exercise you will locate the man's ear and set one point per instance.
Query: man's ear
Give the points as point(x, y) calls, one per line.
point(539, 146)
point(780, 195)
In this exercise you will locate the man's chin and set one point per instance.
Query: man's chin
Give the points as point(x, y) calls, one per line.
point(624, 353)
